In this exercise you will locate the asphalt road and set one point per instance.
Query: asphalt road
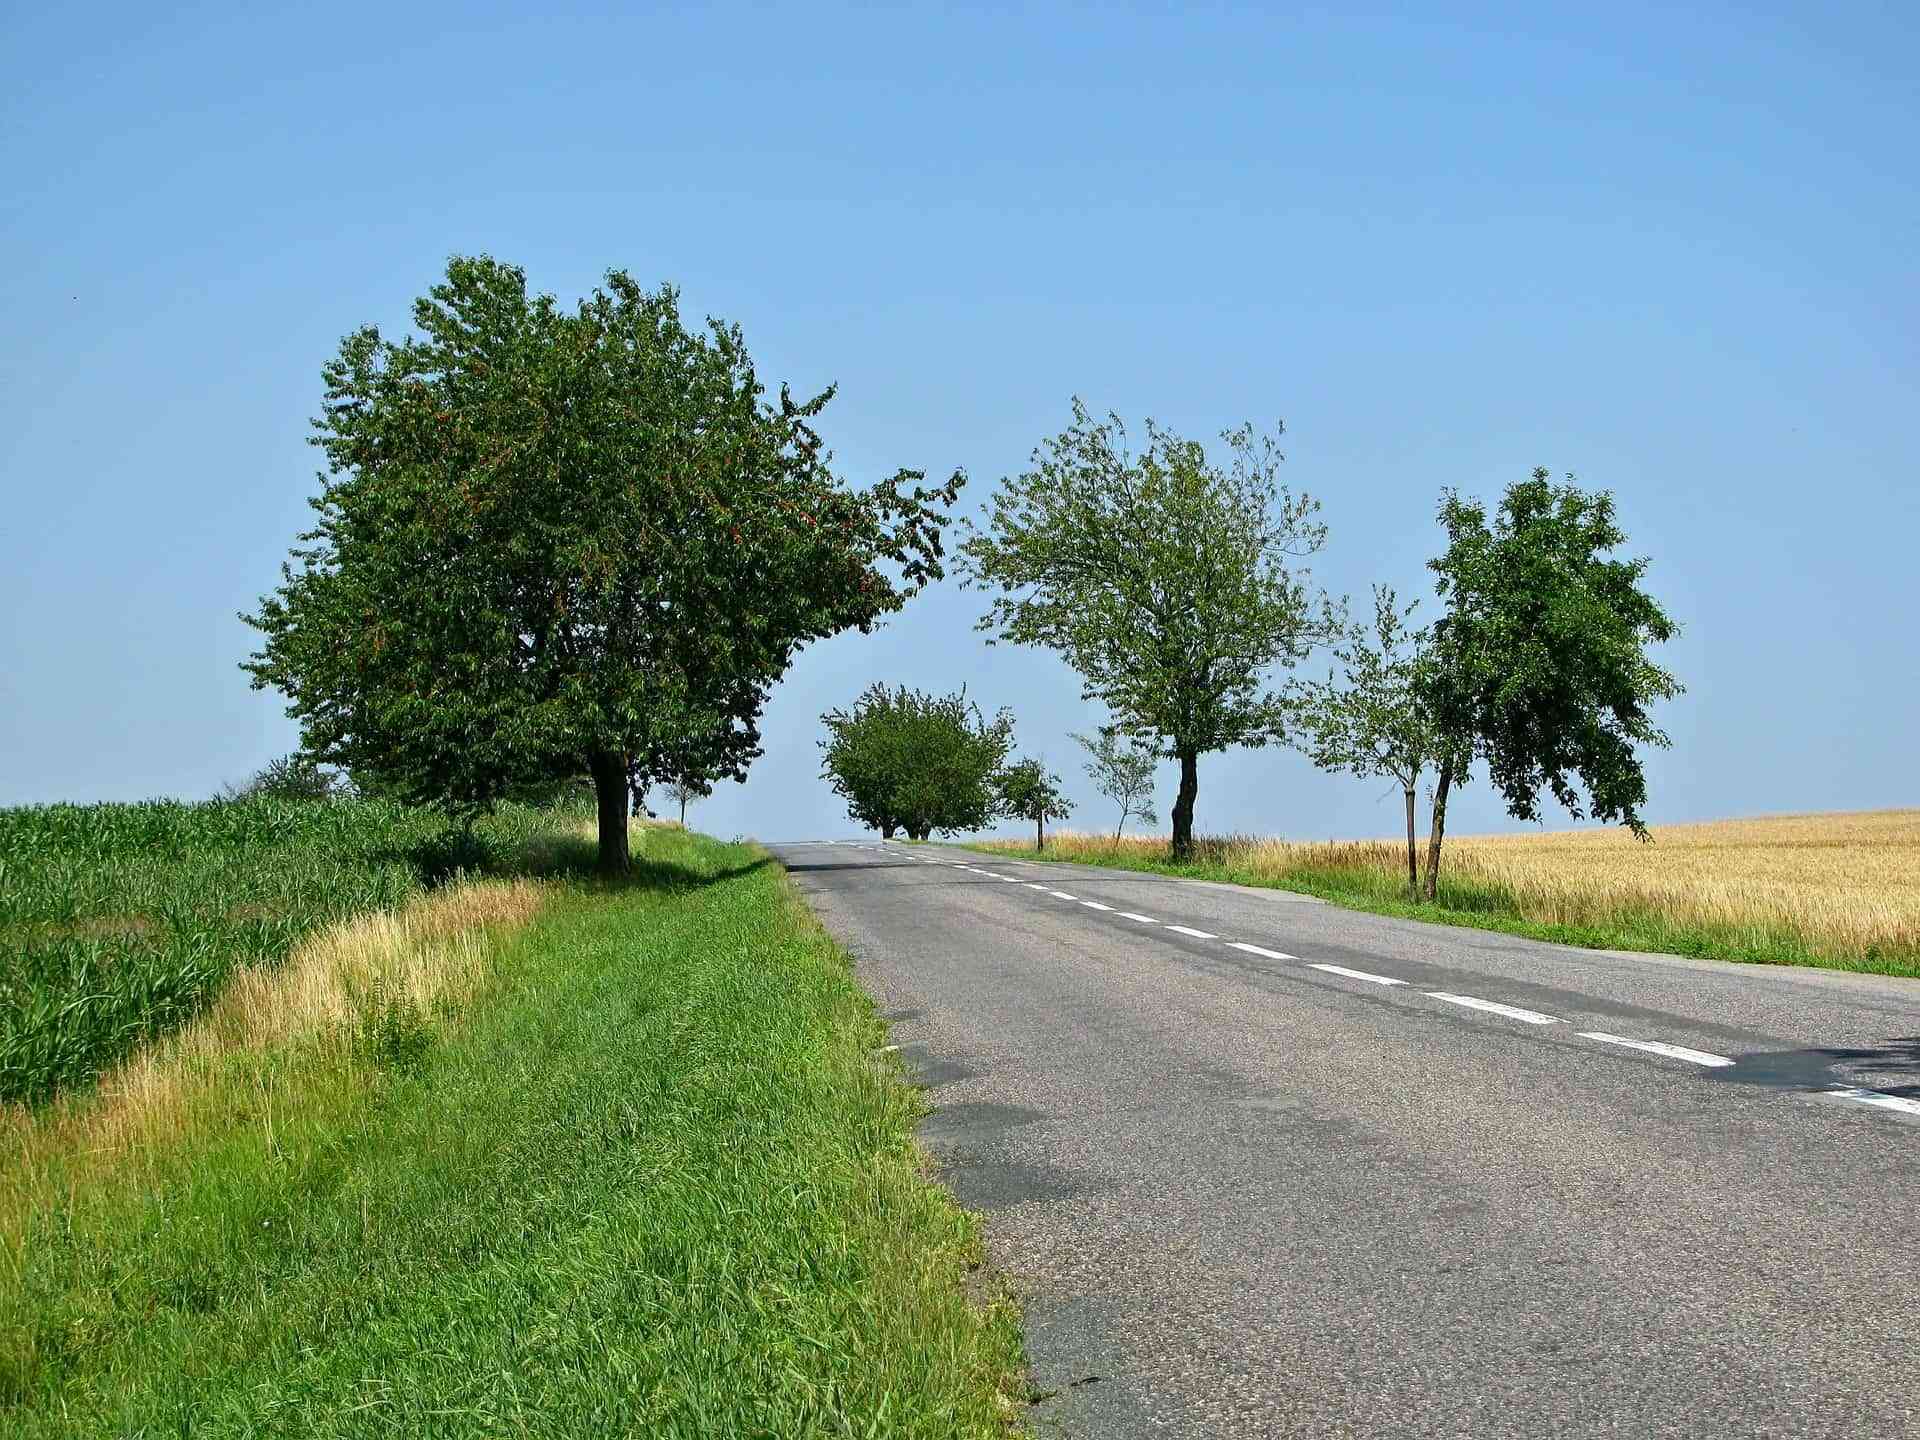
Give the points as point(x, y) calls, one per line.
point(1245, 1189)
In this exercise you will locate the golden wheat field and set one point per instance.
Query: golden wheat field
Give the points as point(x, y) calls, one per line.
point(1844, 887)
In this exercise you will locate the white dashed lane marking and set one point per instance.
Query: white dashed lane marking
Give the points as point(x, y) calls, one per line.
point(1095, 905)
point(1196, 934)
point(1875, 1098)
point(1493, 1007)
point(1656, 1047)
point(1261, 950)
point(1356, 974)
point(1062, 895)
point(1129, 915)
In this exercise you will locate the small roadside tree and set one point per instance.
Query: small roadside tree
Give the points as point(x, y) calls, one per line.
point(1538, 665)
point(556, 542)
point(686, 789)
point(1122, 769)
point(1172, 583)
point(1376, 724)
point(918, 762)
point(1029, 792)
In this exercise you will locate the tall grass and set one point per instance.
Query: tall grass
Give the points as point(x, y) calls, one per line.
point(119, 923)
point(1835, 890)
point(651, 1176)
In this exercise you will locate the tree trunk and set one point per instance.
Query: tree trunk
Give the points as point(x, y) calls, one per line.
point(1413, 853)
point(886, 830)
point(683, 812)
point(1039, 832)
point(1438, 828)
point(610, 790)
point(1183, 805)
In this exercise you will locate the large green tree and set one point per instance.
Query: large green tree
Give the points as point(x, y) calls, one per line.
point(554, 541)
point(1539, 664)
point(1171, 581)
point(905, 759)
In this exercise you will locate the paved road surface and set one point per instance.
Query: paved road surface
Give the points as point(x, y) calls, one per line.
point(1261, 1166)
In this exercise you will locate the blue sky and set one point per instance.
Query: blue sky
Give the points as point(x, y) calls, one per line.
point(1670, 252)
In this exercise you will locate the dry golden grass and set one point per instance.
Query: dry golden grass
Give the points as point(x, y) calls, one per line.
point(427, 955)
point(1842, 887)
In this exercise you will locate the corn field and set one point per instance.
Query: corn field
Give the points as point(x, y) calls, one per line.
point(120, 922)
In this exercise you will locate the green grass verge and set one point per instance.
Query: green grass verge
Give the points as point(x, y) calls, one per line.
point(1481, 906)
point(656, 1180)
point(120, 922)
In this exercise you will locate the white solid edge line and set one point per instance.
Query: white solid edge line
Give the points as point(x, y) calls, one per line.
point(1874, 1097)
point(1657, 1047)
point(1261, 950)
point(1095, 905)
point(1356, 974)
point(1492, 1007)
point(1129, 915)
point(1062, 895)
point(1196, 934)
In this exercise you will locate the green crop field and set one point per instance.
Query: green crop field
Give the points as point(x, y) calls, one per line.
point(119, 922)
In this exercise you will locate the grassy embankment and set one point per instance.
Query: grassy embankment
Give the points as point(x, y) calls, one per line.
point(1839, 891)
point(531, 1156)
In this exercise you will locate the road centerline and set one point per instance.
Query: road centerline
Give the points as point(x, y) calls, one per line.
point(1494, 1007)
point(1366, 975)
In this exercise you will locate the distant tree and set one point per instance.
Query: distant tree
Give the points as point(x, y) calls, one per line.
point(1376, 723)
point(1170, 582)
point(685, 789)
point(1123, 771)
point(554, 542)
point(1538, 665)
point(904, 759)
point(291, 777)
point(1028, 792)
point(865, 756)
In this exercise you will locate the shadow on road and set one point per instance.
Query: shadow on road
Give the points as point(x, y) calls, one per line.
point(1819, 1069)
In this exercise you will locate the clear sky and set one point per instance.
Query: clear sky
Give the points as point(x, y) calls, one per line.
point(1671, 249)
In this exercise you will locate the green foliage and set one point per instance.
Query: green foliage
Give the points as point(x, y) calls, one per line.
point(120, 922)
point(1028, 792)
point(1172, 583)
point(291, 777)
point(390, 1030)
point(905, 759)
point(656, 1181)
point(557, 542)
point(1539, 662)
point(1123, 771)
point(1375, 723)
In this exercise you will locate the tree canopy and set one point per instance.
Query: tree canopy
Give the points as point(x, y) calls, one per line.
point(1172, 583)
point(1539, 664)
point(904, 759)
point(554, 541)
point(1029, 792)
